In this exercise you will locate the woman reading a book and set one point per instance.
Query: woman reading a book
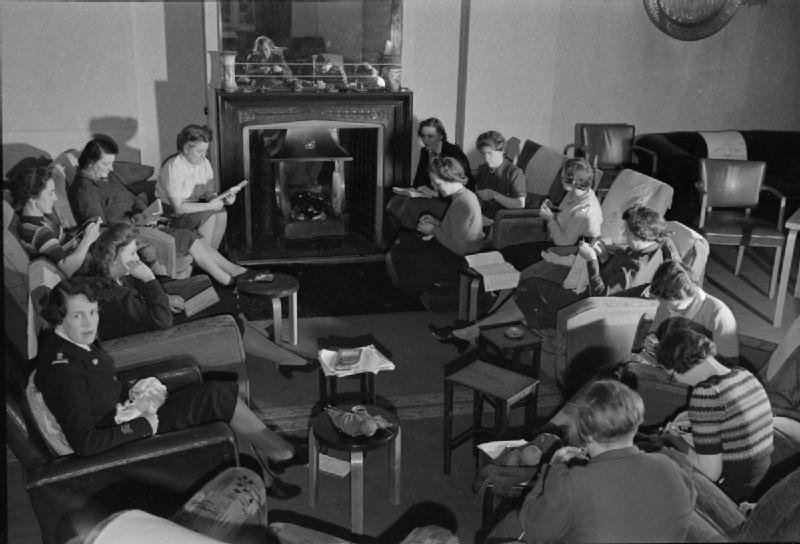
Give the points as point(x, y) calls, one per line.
point(436, 250)
point(34, 194)
point(608, 271)
point(408, 205)
point(76, 379)
point(183, 186)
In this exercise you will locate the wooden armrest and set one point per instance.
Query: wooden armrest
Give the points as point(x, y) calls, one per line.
point(774, 192)
point(650, 152)
point(573, 146)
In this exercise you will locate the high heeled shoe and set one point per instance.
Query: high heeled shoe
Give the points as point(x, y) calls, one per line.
point(277, 488)
point(445, 336)
point(288, 370)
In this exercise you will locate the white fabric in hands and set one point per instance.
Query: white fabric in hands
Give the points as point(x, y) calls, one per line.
point(145, 397)
point(578, 277)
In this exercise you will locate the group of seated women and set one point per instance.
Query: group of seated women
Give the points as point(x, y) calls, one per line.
point(108, 274)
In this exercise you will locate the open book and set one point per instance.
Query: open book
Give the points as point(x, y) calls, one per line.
point(421, 192)
point(495, 271)
point(233, 190)
point(196, 291)
point(153, 211)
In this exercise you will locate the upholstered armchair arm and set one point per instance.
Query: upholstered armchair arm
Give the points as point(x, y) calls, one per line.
point(701, 189)
point(173, 373)
point(186, 441)
point(512, 227)
point(776, 193)
point(164, 246)
point(597, 331)
point(649, 152)
point(214, 342)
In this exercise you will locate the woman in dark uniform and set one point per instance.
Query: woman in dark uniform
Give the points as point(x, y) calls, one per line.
point(76, 378)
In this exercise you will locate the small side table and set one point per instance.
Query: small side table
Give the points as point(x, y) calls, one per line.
point(283, 285)
point(521, 354)
point(328, 388)
point(469, 284)
point(324, 434)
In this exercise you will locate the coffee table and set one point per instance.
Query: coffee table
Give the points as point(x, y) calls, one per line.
point(282, 285)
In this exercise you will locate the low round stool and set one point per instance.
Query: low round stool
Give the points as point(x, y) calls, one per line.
point(324, 435)
point(282, 285)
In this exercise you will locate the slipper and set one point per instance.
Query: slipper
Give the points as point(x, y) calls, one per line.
point(254, 275)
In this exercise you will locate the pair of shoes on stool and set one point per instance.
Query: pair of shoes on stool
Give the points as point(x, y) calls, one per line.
point(252, 275)
point(276, 488)
point(445, 336)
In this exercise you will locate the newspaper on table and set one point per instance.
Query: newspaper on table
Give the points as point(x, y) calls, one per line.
point(496, 272)
point(371, 360)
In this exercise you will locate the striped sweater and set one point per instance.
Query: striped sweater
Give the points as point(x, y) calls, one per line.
point(42, 236)
point(731, 415)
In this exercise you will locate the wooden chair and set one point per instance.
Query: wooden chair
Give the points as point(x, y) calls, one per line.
point(733, 184)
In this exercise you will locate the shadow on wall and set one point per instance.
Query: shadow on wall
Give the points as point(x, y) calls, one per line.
point(18, 157)
point(181, 98)
point(122, 130)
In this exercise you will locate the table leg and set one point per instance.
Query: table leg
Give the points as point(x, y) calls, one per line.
point(474, 284)
point(448, 425)
point(248, 218)
point(787, 267)
point(463, 297)
point(503, 409)
point(277, 320)
point(357, 492)
point(395, 455)
point(313, 469)
point(293, 316)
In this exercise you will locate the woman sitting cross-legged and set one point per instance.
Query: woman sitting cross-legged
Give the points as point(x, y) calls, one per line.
point(604, 489)
point(729, 413)
point(76, 378)
point(679, 296)
point(134, 300)
point(34, 193)
point(435, 252)
point(609, 271)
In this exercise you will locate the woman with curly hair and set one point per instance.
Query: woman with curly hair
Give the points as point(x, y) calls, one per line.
point(729, 413)
point(34, 194)
point(435, 251)
point(610, 271)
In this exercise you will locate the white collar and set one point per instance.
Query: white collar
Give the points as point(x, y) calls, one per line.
point(62, 334)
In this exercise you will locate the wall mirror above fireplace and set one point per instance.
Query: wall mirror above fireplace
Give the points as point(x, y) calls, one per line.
point(338, 42)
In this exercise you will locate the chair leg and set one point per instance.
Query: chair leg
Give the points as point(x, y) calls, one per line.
point(775, 270)
point(739, 258)
point(448, 426)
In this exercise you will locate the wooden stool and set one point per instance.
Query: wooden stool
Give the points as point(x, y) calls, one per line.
point(283, 285)
point(325, 435)
point(328, 387)
point(501, 388)
point(521, 354)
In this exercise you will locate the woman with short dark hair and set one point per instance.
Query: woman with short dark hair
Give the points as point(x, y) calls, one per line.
point(500, 184)
point(603, 488)
point(579, 214)
point(729, 412)
point(679, 296)
point(34, 193)
point(185, 187)
point(435, 252)
point(76, 378)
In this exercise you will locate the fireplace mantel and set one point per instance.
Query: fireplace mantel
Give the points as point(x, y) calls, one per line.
point(237, 111)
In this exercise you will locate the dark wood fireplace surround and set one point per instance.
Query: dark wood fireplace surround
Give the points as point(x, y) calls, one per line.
point(236, 111)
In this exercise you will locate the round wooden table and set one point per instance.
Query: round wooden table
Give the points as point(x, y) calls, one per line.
point(323, 434)
point(282, 285)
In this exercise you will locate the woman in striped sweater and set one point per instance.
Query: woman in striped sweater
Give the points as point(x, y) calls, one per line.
point(729, 413)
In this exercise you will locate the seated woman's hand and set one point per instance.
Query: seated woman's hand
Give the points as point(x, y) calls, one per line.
point(228, 200)
point(92, 232)
point(176, 304)
point(545, 212)
point(140, 271)
point(650, 343)
point(425, 227)
point(485, 194)
point(587, 252)
point(567, 453)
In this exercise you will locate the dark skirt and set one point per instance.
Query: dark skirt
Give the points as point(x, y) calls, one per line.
point(191, 221)
point(198, 403)
point(405, 211)
point(540, 299)
point(184, 239)
point(419, 263)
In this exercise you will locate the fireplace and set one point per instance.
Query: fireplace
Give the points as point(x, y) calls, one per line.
point(312, 210)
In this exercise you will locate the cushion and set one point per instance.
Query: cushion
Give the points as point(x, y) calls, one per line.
point(43, 275)
point(132, 172)
point(629, 189)
point(46, 421)
point(64, 168)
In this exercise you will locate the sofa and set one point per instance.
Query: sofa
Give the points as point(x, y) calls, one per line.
point(679, 152)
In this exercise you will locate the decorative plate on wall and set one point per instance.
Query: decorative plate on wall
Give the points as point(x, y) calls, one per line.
point(691, 19)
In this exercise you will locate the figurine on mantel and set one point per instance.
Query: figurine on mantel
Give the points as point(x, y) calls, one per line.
point(367, 77)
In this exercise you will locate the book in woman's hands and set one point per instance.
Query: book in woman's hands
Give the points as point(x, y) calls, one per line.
point(153, 211)
point(495, 271)
point(232, 191)
point(196, 292)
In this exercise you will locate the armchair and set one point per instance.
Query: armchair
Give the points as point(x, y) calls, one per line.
point(72, 492)
point(612, 147)
point(738, 184)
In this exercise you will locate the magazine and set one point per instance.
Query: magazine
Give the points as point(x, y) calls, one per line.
point(232, 191)
point(496, 272)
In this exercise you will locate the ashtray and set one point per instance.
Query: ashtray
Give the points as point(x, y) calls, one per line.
point(514, 333)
